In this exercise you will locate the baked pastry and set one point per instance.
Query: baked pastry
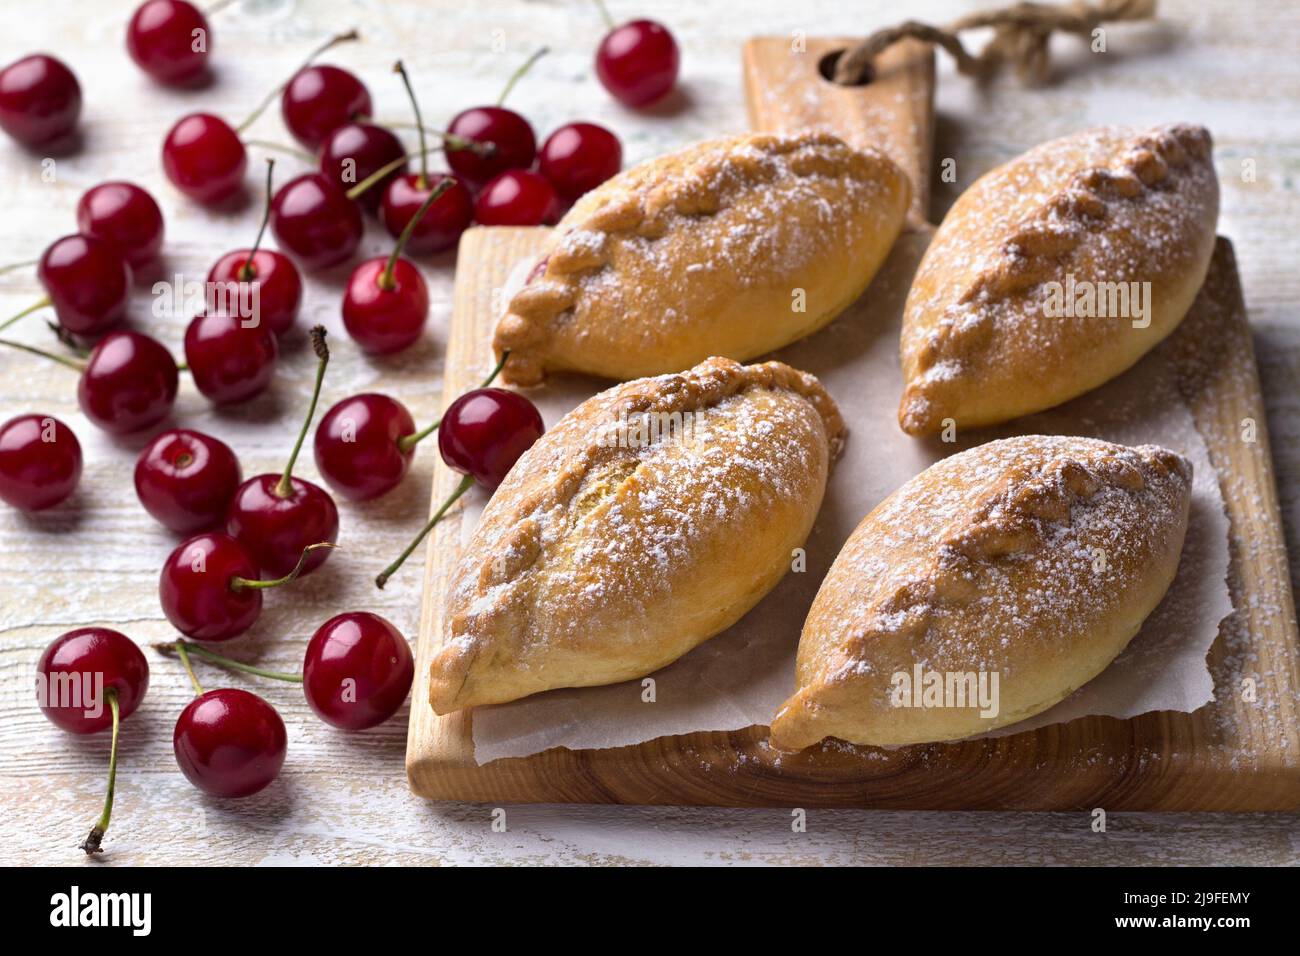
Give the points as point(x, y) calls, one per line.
point(731, 247)
point(1031, 561)
point(1032, 290)
point(649, 519)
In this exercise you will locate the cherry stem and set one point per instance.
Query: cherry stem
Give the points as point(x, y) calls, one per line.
point(400, 69)
point(246, 273)
point(40, 304)
point(14, 266)
point(450, 141)
point(604, 14)
point(240, 584)
point(389, 571)
point(213, 657)
point(270, 98)
point(407, 442)
point(61, 359)
point(92, 844)
point(386, 280)
point(518, 74)
point(182, 649)
point(284, 487)
point(305, 156)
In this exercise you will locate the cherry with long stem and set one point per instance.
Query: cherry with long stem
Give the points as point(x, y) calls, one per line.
point(514, 141)
point(329, 44)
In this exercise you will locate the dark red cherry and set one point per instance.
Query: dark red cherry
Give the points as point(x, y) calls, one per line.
point(231, 359)
point(320, 99)
point(485, 431)
point(125, 217)
point(169, 40)
point(40, 100)
point(517, 198)
point(87, 281)
point(230, 743)
point(359, 448)
point(439, 228)
point(357, 671)
point(313, 218)
point(205, 588)
point(514, 144)
point(129, 383)
point(638, 62)
point(356, 151)
point(579, 157)
point(40, 462)
point(272, 290)
point(186, 480)
point(385, 311)
point(275, 527)
point(79, 668)
point(204, 158)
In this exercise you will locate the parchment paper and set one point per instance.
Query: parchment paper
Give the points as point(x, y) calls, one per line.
point(740, 677)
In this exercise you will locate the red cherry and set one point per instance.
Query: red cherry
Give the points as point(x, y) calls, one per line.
point(439, 228)
point(315, 220)
point(169, 40)
point(87, 281)
point(356, 151)
point(517, 198)
point(514, 144)
point(384, 309)
point(125, 217)
point(638, 62)
point(40, 100)
point(40, 462)
point(186, 479)
point(229, 743)
point(204, 158)
point(579, 157)
point(320, 99)
point(359, 447)
point(205, 588)
point(129, 383)
point(357, 671)
point(82, 666)
point(230, 360)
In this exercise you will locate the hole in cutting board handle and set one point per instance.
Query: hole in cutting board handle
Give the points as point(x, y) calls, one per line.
point(826, 67)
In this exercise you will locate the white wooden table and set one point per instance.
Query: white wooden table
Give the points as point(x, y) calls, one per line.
point(343, 798)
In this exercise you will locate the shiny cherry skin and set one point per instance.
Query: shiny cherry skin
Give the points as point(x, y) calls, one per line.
point(271, 275)
point(385, 317)
point(230, 361)
point(638, 62)
point(275, 530)
point(230, 743)
point(170, 40)
point(186, 479)
point(354, 152)
point(485, 431)
point(125, 217)
point(441, 225)
point(357, 446)
point(578, 157)
point(129, 383)
point(357, 671)
point(40, 100)
point(40, 462)
point(513, 140)
point(320, 99)
point(88, 283)
point(313, 218)
point(205, 159)
point(198, 588)
point(517, 197)
point(102, 659)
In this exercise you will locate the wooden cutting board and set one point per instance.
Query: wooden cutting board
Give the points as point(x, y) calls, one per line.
point(1240, 753)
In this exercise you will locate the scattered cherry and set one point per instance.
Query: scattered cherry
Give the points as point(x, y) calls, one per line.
point(518, 197)
point(169, 40)
point(356, 151)
point(87, 281)
point(205, 159)
point(578, 157)
point(40, 100)
point(40, 462)
point(129, 383)
point(77, 675)
point(276, 517)
point(259, 281)
point(315, 220)
point(357, 671)
point(231, 359)
point(483, 433)
point(320, 99)
point(514, 144)
point(186, 479)
point(125, 217)
point(638, 62)
point(230, 743)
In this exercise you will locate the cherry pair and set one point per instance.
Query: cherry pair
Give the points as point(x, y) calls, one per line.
point(40, 462)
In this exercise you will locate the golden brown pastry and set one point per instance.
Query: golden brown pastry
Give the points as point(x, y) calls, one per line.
point(1034, 559)
point(732, 247)
point(1032, 291)
point(649, 519)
